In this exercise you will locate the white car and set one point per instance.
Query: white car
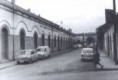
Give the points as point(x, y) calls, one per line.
point(87, 54)
point(27, 56)
point(43, 52)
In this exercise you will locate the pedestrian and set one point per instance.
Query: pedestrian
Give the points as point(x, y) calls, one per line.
point(97, 59)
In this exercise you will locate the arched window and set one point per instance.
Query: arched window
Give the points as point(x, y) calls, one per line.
point(58, 43)
point(43, 39)
point(5, 43)
point(64, 42)
point(55, 41)
point(35, 40)
point(49, 40)
point(22, 39)
point(108, 45)
point(61, 41)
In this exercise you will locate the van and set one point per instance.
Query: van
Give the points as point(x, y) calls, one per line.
point(43, 52)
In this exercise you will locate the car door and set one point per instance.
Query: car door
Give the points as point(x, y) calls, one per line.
point(45, 54)
point(48, 51)
point(33, 55)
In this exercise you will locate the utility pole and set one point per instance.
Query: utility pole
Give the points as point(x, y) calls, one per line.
point(115, 31)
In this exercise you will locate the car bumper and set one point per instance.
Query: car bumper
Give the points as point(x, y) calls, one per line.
point(87, 57)
point(23, 60)
point(40, 56)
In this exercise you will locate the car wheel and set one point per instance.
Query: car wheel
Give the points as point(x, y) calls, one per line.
point(82, 59)
point(37, 58)
point(49, 56)
point(43, 57)
point(30, 61)
point(18, 62)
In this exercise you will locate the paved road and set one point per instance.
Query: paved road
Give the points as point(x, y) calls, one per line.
point(64, 67)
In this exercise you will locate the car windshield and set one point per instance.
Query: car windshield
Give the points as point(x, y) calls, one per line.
point(22, 52)
point(88, 51)
point(40, 49)
point(25, 52)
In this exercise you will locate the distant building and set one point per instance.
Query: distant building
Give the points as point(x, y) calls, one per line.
point(83, 37)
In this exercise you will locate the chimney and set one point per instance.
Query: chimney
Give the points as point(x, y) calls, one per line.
point(70, 30)
point(29, 10)
point(39, 15)
point(13, 1)
point(114, 6)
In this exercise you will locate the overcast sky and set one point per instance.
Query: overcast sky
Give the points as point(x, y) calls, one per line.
point(80, 15)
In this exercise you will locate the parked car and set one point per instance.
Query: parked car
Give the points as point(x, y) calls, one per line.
point(27, 56)
point(87, 54)
point(43, 52)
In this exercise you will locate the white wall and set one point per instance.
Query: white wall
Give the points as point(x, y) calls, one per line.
point(109, 33)
point(30, 26)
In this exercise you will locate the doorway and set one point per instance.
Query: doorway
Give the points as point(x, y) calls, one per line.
point(4, 43)
point(22, 40)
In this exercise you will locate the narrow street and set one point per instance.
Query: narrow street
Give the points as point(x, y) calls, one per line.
point(54, 29)
point(63, 67)
point(62, 64)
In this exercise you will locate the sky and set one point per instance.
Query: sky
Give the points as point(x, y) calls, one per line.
point(81, 16)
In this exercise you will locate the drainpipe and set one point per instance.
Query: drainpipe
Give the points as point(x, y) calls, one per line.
point(115, 31)
point(13, 3)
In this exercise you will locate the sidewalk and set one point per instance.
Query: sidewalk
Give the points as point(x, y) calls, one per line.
point(7, 64)
point(107, 62)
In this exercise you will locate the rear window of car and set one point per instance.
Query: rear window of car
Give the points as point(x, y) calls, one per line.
point(88, 50)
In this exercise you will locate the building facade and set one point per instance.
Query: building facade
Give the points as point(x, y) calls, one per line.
point(105, 35)
point(20, 29)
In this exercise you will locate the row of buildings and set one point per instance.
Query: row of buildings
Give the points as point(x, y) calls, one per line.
point(107, 35)
point(21, 29)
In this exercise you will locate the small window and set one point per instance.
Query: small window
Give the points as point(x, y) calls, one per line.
point(40, 49)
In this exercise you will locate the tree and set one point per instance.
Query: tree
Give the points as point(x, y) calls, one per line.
point(89, 40)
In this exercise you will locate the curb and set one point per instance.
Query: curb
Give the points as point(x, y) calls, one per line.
point(12, 63)
point(8, 64)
